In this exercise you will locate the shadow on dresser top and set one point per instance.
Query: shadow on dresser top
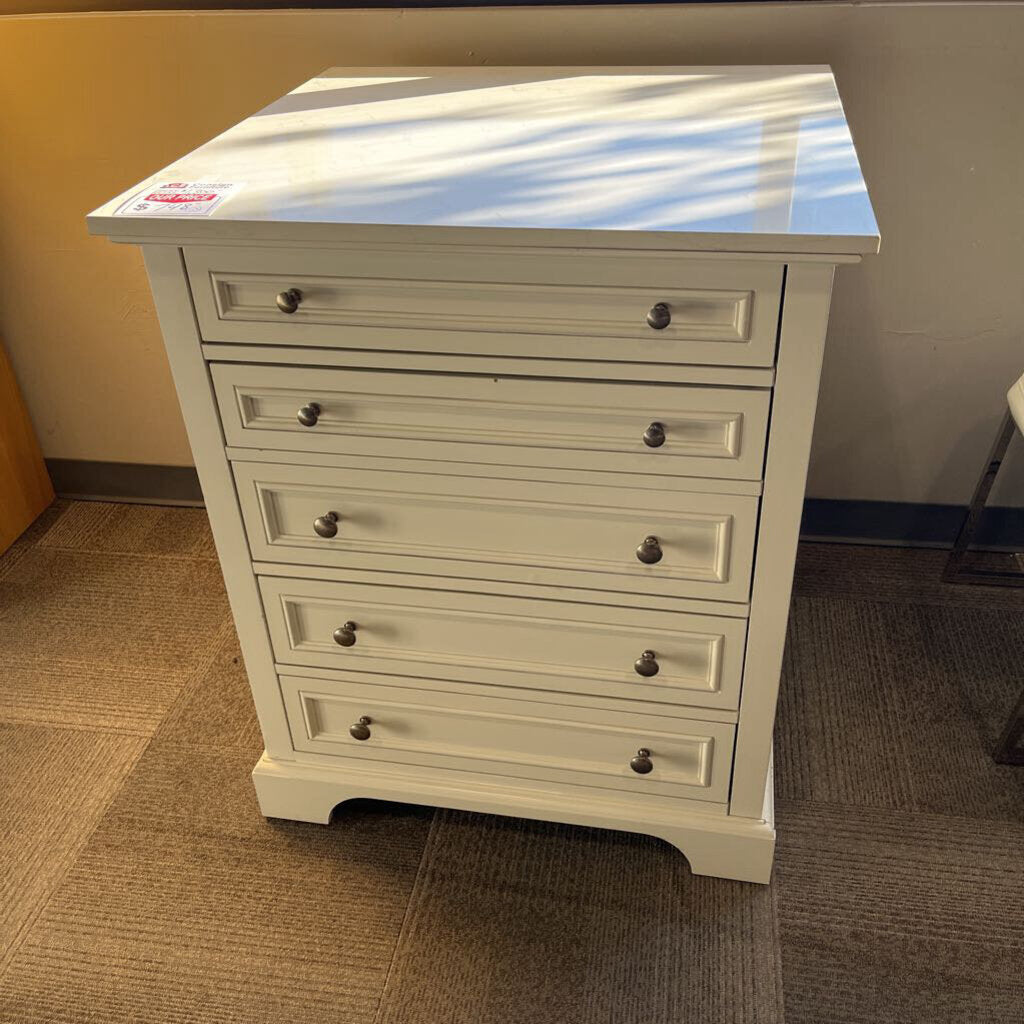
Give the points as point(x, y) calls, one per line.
point(703, 159)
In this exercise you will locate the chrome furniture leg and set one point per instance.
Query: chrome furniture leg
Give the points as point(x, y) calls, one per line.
point(1010, 746)
point(956, 571)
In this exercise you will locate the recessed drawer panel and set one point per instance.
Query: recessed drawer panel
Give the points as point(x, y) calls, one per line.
point(616, 307)
point(506, 641)
point(487, 528)
point(502, 421)
point(676, 756)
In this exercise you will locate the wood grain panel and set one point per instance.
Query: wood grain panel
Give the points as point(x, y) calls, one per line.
point(25, 488)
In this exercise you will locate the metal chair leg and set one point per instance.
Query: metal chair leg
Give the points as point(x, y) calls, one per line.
point(956, 571)
point(1010, 746)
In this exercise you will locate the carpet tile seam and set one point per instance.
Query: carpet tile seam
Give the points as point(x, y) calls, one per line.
point(61, 727)
point(105, 706)
point(925, 935)
point(149, 967)
point(269, 951)
point(22, 545)
point(218, 640)
point(779, 966)
point(141, 976)
point(906, 701)
point(226, 636)
point(414, 891)
point(842, 811)
point(114, 553)
point(103, 730)
point(955, 860)
point(208, 923)
point(9, 955)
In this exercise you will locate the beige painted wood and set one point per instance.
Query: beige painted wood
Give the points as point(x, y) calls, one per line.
point(589, 701)
point(195, 391)
point(506, 641)
point(310, 788)
point(710, 432)
point(25, 488)
point(679, 605)
point(526, 474)
point(525, 739)
point(507, 304)
point(802, 343)
point(548, 534)
point(503, 366)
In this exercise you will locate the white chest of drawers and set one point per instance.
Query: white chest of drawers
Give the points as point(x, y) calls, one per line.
point(500, 385)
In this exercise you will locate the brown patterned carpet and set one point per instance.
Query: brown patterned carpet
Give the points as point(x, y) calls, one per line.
point(139, 882)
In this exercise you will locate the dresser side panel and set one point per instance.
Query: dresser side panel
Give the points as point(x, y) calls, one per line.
point(801, 346)
point(175, 312)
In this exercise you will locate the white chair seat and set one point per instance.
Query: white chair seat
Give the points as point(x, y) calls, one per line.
point(1015, 396)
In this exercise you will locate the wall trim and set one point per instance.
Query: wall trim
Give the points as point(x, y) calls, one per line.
point(908, 524)
point(911, 524)
point(134, 482)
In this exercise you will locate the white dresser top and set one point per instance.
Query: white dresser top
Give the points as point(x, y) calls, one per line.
point(755, 159)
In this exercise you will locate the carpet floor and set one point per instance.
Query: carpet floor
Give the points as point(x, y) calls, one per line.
point(140, 883)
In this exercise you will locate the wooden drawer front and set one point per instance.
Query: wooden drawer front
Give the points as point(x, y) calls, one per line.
point(526, 532)
point(594, 305)
point(504, 421)
point(552, 742)
point(509, 641)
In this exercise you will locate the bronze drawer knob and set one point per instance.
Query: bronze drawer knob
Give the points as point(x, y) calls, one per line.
point(649, 551)
point(345, 636)
point(288, 301)
point(647, 664)
point(308, 415)
point(659, 317)
point(654, 435)
point(361, 730)
point(642, 763)
point(326, 525)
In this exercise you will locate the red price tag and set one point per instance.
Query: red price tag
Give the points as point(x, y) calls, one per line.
point(180, 197)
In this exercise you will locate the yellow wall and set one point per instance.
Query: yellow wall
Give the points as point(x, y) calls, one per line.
point(925, 338)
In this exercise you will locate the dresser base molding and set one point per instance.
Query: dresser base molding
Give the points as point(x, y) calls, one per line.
point(713, 844)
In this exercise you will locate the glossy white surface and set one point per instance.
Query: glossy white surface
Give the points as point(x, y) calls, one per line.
point(748, 159)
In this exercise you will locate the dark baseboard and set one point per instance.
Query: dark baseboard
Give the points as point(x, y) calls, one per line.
point(125, 481)
point(826, 519)
point(912, 524)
